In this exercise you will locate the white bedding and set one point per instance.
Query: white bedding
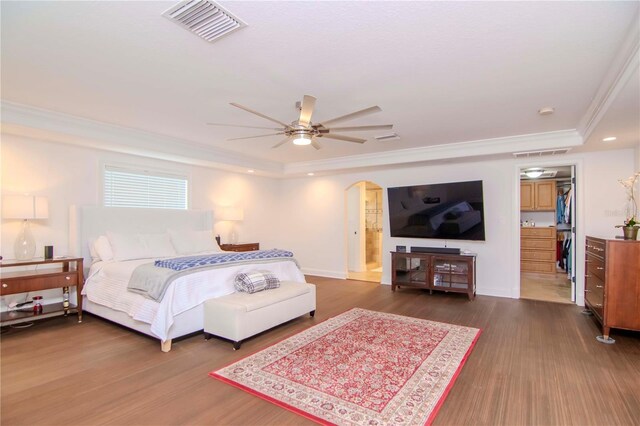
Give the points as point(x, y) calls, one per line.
point(107, 285)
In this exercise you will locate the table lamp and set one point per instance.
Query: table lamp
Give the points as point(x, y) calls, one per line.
point(25, 207)
point(231, 214)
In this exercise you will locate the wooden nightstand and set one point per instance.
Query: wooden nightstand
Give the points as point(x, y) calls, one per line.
point(63, 277)
point(240, 247)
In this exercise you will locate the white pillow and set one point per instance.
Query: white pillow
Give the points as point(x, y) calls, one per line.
point(190, 242)
point(158, 245)
point(92, 250)
point(102, 248)
point(140, 246)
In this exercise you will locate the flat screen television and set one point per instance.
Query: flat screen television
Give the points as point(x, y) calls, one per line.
point(447, 211)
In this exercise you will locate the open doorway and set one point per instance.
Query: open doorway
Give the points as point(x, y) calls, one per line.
point(364, 232)
point(548, 233)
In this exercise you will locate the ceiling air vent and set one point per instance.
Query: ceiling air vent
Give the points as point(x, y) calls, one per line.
point(389, 137)
point(545, 153)
point(204, 18)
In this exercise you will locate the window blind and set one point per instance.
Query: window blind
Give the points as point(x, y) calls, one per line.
point(142, 188)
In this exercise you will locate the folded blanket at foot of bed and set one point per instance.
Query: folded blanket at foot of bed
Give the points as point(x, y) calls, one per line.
point(152, 281)
point(189, 262)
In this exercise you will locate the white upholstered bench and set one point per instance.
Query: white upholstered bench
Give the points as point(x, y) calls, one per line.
point(241, 315)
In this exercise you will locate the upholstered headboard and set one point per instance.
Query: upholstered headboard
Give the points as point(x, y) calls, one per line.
point(86, 223)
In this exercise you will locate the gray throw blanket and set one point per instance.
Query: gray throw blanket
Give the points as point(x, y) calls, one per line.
point(152, 281)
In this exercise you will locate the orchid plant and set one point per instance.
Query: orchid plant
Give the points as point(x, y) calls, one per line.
point(632, 207)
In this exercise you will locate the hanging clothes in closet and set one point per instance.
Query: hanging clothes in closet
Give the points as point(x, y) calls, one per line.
point(563, 206)
point(560, 203)
point(567, 206)
point(564, 251)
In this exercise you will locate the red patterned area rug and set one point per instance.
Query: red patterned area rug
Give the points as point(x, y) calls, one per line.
point(359, 368)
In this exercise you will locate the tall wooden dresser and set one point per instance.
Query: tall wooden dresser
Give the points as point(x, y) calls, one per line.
point(612, 284)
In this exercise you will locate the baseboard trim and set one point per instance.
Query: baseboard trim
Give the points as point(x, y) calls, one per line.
point(493, 291)
point(324, 273)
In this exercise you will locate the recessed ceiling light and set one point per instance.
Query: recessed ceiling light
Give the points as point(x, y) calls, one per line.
point(609, 139)
point(310, 174)
point(250, 171)
point(546, 111)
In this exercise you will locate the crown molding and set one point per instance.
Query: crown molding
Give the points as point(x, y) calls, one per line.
point(477, 148)
point(52, 126)
point(23, 120)
point(624, 66)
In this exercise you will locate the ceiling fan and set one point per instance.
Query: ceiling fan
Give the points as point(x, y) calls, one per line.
point(304, 132)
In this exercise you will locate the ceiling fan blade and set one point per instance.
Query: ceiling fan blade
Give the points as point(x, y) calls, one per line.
point(306, 109)
point(342, 138)
point(360, 128)
point(259, 114)
point(353, 115)
point(282, 142)
point(256, 136)
point(315, 144)
point(248, 127)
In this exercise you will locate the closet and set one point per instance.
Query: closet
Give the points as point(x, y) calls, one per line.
point(547, 204)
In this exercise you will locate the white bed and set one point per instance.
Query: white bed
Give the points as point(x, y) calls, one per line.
point(180, 310)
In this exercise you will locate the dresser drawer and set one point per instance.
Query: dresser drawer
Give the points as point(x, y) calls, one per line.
point(594, 293)
point(542, 267)
point(538, 232)
point(595, 266)
point(37, 283)
point(595, 247)
point(539, 255)
point(539, 244)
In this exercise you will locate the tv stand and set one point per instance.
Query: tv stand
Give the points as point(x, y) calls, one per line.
point(435, 271)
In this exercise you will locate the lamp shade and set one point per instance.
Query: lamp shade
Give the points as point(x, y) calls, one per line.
point(230, 213)
point(24, 207)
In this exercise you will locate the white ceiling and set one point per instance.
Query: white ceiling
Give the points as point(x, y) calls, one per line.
point(468, 73)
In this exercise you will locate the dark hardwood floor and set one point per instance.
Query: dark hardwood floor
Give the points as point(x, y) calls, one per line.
point(536, 363)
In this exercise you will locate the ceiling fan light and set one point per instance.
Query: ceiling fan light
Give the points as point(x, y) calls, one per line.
point(302, 140)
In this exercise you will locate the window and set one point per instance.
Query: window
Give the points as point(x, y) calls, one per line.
point(143, 188)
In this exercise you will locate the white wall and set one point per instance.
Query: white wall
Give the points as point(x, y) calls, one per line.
point(314, 210)
point(308, 215)
point(69, 175)
point(498, 193)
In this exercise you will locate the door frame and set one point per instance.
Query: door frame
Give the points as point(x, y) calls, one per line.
point(579, 221)
point(362, 255)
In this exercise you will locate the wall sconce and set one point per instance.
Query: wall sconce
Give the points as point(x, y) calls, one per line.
point(25, 207)
point(231, 214)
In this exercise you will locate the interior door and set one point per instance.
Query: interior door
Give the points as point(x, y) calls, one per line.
point(355, 228)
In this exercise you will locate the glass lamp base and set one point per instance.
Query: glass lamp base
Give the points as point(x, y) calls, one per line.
point(24, 247)
point(233, 236)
